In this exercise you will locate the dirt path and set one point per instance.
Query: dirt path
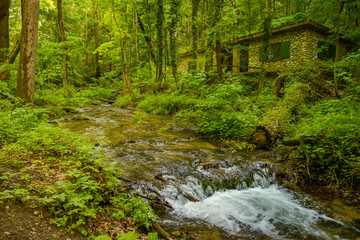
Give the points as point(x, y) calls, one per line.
point(19, 222)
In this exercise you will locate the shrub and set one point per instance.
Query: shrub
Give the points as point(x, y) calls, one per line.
point(216, 123)
point(165, 104)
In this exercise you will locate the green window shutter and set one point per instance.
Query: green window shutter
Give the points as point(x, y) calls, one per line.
point(321, 50)
point(332, 50)
point(285, 50)
point(261, 53)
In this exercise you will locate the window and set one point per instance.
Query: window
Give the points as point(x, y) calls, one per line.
point(276, 52)
point(326, 51)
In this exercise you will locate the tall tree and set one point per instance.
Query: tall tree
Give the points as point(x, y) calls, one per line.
point(28, 50)
point(174, 11)
point(337, 38)
point(218, 49)
point(160, 18)
point(4, 29)
point(63, 39)
point(194, 32)
point(97, 44)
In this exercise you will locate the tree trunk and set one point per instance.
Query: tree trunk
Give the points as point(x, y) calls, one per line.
point(337, 54)
point(28, 48)
point(127, 85)
point(194, 32)
point(147, 40)
point(218, 50)
point(97, 56)
point(124, 71)
point(86, 42)
point(4, 34)
point(136, 43)
point(160, 42)
point(63, 39)
point(174, 10)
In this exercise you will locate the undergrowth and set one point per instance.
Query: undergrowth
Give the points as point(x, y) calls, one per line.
point(41, 164)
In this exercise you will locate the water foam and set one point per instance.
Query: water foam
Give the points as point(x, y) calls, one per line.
point(268, 209)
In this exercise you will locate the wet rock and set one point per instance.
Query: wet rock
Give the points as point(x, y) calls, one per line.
point(259, 139)
point(224, 164)
point(79, 118)
point(176, 233)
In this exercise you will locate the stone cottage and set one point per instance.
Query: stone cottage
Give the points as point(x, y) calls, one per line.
point(291, 46)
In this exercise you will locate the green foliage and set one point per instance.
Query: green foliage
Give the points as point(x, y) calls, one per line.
point(138, 117)
point(334, 130)
point(14, 124)
point(5, 91)
point(128, 236)
point(64, 172)
point(165, 104)
point(96, 93)
point(125, 101)
point(141, 212)
point(193, 83)
point(153, 236)
point(103, 237)
point(222, 124)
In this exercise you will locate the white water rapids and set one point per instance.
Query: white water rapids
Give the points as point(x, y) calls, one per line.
point(261, 207)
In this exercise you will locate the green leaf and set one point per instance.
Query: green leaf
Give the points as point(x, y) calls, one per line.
point(153, 236)
point(128, 236)
point(103, 237)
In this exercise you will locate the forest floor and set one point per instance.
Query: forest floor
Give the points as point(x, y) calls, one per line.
point(20, 222)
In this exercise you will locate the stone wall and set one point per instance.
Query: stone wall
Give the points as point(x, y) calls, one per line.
point(303, 48)
point(185, 59)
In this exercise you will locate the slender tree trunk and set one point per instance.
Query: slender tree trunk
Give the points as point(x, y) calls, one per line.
point(86, 42)
point(266, 42)
point(194, 32)
point(28, 48)
point(4, 34)
point(160, 42)
point(209, 54)
point(174, 10)
point(97, 44)
point(337, 54)
point(147, 40)
point(63, 39)
point(218, 50)
point(124, 71)
point(136, 42)
point(127, 84)
point(129, 81)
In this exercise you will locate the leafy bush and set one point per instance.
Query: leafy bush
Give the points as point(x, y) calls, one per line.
point(124, 101)
point(216, 123)
point(14, 124)
point(332, 129)
point(96, 93)
point(165, 104)
point(193, 83)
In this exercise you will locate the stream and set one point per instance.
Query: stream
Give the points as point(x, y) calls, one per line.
point(237, 194)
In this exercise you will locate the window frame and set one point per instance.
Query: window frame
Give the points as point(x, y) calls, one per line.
point(284, 52)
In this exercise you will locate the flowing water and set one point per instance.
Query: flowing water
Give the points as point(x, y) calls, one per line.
point(232, 195)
